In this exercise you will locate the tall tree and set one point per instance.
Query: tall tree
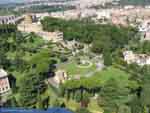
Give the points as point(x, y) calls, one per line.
point(112, 96)
point(135, 104)
point(30, 87)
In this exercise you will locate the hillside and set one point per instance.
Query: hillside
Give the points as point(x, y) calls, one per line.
point(134, 2)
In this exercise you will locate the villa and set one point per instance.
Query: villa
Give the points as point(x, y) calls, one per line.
point(4, 82)
point(140, 59)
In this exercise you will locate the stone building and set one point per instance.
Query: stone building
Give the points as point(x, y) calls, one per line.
point(4, 82)
point(28, 19)
point(11, 19)
point(60, 76)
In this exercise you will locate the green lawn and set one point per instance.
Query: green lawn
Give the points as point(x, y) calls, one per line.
point(120, 76)
point(94, 107)
point(100, 78)
point(71, 104)
point(72, 69)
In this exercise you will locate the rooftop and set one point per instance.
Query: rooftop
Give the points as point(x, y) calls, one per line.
point(3, 73)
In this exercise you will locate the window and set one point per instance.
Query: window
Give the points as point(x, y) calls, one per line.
point(6, 87)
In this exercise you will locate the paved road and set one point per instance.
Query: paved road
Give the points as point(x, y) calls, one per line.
point(93, 72)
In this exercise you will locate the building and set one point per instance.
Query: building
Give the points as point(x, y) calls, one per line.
point(4, 82)
point(56, 36)
point(28, 19)
point(139, 59)
point(7, 19)
point(129, 57)
point(10, 19)
point(59, 77)
point(67, 15)
point(103, 14)
point(41, 16)
point(144, 29)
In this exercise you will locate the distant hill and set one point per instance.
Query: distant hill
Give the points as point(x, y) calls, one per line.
point(135, 2)
point(22, 1)
point(10, 1)
point(123, 2)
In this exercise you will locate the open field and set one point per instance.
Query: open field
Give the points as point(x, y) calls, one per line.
point(113, 73)
point(73, 69)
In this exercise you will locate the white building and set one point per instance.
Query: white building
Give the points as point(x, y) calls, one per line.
point(129, 7)
point(4, 82)
point(140, 59)
point(129, 57)
point(11, 19)
point(144, 26)
point(59, 77)
point(87, 13)
point(41, 16)
point(103, 14)
point(69, 14)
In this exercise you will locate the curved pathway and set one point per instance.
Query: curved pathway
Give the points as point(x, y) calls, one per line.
point(88, 66)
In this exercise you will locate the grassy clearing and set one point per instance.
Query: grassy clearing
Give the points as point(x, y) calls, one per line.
point(72, 69)
point(120, 76)
point(93, 106)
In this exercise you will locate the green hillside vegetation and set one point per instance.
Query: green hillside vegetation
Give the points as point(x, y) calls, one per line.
point(88, 32)
point(100, 79)
point(134, 2)
point(119, 88)
point(73, 70)
point(28, 62)
point(45, 8)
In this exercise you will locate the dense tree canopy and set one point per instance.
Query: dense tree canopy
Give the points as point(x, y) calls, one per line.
point(108, 40)
point(113, 96)
point(28, 59)
point(89, 32)
point(27, 62)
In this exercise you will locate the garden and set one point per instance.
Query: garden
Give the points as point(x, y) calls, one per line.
point(81, 66)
